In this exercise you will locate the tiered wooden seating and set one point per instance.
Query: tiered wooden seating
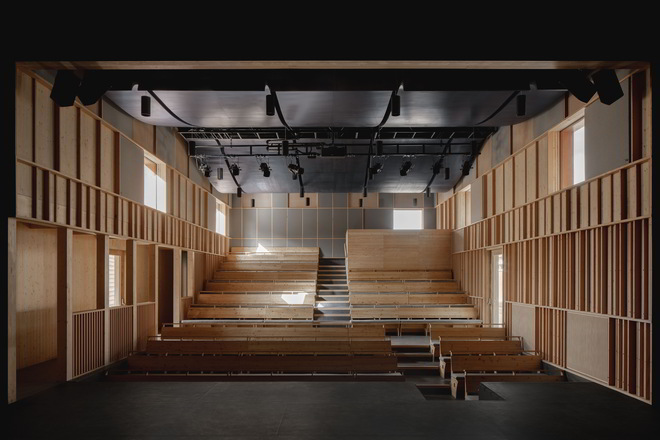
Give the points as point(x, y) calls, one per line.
point(449, 346)
point(231, 350)
point(254, 284)
point(400, 295)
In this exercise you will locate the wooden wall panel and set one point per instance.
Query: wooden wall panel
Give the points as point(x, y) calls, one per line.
point(485, 158)
point(143, 135)
point(509, 188)
point(88, 148)
point(24, 116)
point(146, 273)
point(377, 249)
point(520, 179)
point(36, 295)
point(107, 158)
point(68, 141)
point(44, 126)
point(587, 339)
point(523, 133)
point(531, 172)
point(84, 273)
point(499, 189)
point(542, 161)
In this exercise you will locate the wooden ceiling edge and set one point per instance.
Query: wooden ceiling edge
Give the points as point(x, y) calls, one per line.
point(338, 64)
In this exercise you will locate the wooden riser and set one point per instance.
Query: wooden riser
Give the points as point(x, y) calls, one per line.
point(407, 287)
point(273, 347)
point(408, 298)
point(251, 312)
point(256, 299)
point(302, 331)
point(415, 312)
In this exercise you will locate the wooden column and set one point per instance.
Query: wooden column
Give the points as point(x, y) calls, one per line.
point(65, 303)
point(176, 290)
point(103, 288)
point(11, 310)
point(131, 285)
point(154, 251)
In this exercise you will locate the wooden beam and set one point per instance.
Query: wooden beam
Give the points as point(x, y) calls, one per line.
point(65, 303)
point(131, 285)
point(11, 310)
point(103, 288)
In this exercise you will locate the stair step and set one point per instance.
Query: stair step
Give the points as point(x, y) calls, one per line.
point(419, 365)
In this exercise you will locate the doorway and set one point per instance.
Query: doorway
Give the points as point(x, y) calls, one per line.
point(497, 297)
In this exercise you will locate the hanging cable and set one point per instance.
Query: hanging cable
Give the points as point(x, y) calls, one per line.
point(167, 109)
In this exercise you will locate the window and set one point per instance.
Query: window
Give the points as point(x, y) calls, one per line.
point(220, 224)
point(154, 183)
point(114, 271)
point(408, 219)
point(572, 156)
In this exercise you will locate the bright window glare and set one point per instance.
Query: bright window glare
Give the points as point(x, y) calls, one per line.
point(150, 188)
point(578, 156)
point(408, 219)
point(261, 248)
point(220, 222)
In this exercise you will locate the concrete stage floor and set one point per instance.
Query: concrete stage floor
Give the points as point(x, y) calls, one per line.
point(319, 410)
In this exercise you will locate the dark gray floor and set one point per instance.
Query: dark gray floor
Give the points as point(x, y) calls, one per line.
point(318, 410)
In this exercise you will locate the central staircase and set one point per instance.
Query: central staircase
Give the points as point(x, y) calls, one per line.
point(332, 300)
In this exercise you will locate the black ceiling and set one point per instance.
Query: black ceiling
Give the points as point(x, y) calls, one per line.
point(321, 108)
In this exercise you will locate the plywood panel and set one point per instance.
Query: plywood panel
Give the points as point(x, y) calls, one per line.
point(131, 167)
point(146, 273)
point(24, 116)
point(107, 159)
point(399, 250)
point(36, 295)
point(587, 344)
point(84, 272)
point(181, 153)
point(88, 148)
point(143, 134)
point(68, 140)
point(485, 158)
point(531, 170)
point(499, 189)
point(520, 179)
point(523, 133)
point(508, 185)
point(44, 126)
point(523, 324)
point(542, 170)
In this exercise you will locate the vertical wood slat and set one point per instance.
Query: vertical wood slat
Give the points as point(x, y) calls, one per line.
point(121, 332)
point(145, 323)
point(88, 346)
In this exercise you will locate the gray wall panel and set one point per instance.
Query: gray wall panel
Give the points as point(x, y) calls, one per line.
point(195, 175)
point(279, 223)
point(378, 219)
point(607, 131)
point(249, 223)
point(236, 242)
point(165, 145)
point(326, 247)
point(235, 201)
point(325, 200)
point(131, 169)
point(294, 242)
point(355, 218)
point(549, 118)
point(116, 117)
point(339, 223)
point(279, 242)
point(310, 242)
point(294, 222)
point(339, 200)
point(501, 144)
point(429, 218)
point(250, 242)
point(386, 200)
point(264, 223)
point(235, 223)
point(325, 223)
point(265, 242)
point(280, 200)
point(429, 202)
point(338, 248)
point(309, 223)
point(211, 210)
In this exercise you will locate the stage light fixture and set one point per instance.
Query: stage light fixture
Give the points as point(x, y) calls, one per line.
point(379, 148)
point(264, 169)
point(192, 150)
point(239, 192)
point(302, 192)
point(396, 105)
point(364, 192)
point(145, 108)
point(270, 105)
point(520, 105)
point(405, 168)
point(607, 84)
point(285, 148)
point(234, 169)
point(65, 88)
point(428, 192)
point(446, 173)
point(207, 171)
point(375, 169)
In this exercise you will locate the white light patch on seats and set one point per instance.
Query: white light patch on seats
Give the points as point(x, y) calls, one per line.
point(261, 248)
point(294, 298)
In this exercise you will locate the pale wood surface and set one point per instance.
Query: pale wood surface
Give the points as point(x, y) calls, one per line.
point(263, 275)
point(290, 312)
point(414, 312)
point(408, 299)
point(401, 275)
point(408, 286)
point(265, 346)
point(275, 286)
point(475, 332)
point(500, 362)
point(303, 331)
point(255, 298)
point(450, 346)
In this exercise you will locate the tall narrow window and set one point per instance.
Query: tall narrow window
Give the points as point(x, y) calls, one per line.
point(114, 275)
point(154, 184)
point(572, 157)
point(578, 155)
point(220, 225)
point(408, 219)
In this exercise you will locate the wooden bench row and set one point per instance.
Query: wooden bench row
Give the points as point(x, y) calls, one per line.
point(284, 312)
point(213, 298)
point(385, 275)
point(274, 249)
point(270, 265)
point(165, 346)
point(399, 312)
point(463, 386)
point(258, 286)
point(408, 298)
point(228, 275)
point(403, 287)
point(270, 332)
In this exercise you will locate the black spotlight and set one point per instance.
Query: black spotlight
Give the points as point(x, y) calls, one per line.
point(234, 169)
point(146, 106)
point(375, 169)
point(446, 173)
point(264, 169)
point(405, 168)
point(364, 192)
point(428, 192)
point(466, 169)
point(270, 105)
point(578, 84)
point(437, 167)
point(379, 148)
point(192, 150)
point(207, 171)
point(396, 105)
point(285, 148)
point(520, 105)
point(239, 191)
point(302, 192)
point(65, 88)
point(295, 169)
point(219, 173)
point(607, 84)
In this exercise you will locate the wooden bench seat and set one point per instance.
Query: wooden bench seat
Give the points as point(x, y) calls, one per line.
point(468, 384)
point(279, 256)
point(256, 298)
point(284, 312)
point(270, 265)
point(403, 287)
point(155, 346)
point(462, 363)
point(263, 275)
point(264, 363)
point(259, 286)
point(384, 275)
point(397, 312)
point(466, 331)
point(408, 298)
point(307, 331)
point(455, 346)
point(276, 249)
